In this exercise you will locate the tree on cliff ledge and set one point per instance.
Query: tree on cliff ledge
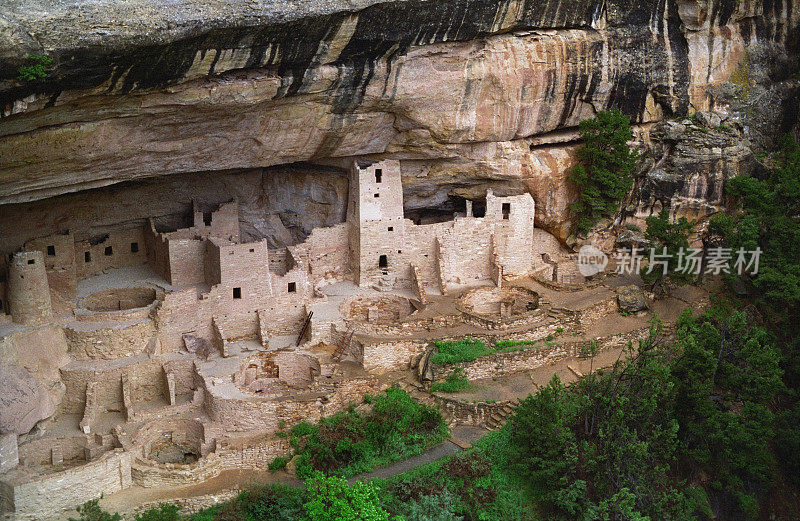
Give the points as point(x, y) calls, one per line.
point(604, 173)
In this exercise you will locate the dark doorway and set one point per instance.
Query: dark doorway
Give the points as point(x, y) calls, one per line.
point(383, 261)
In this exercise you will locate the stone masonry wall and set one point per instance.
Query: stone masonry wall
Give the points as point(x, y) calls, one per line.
point(41, 497)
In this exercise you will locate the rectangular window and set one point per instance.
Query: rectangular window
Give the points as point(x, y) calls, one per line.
point(391, 228)
point(31, 261)
point(376, 196)
point(87, 256)
point(134, 247)
point(207, 218)
point(252, 250)
point(109, 251)
point(51, 251)
point(378, 175)
point(383, 261)
point(506, 210)
point(292, 288)
point(237, 292)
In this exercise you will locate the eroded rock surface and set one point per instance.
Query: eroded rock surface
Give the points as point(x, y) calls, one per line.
point(23, 402)
point(465, 93)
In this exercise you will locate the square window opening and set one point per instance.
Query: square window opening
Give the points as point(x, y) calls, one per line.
point(391, 228)
point(134, 247)
point(383, 261)
point(108, 251)
point(207, 218)
point(376, 196)
point(292, 287)
point(237, 293)
point(51, 251)
point(252, 250)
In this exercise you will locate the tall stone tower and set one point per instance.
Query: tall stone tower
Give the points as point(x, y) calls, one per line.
point(377, 226)
point(28, 289)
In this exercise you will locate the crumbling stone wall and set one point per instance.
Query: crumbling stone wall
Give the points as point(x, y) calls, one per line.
point(40, 496)
point(109, 343)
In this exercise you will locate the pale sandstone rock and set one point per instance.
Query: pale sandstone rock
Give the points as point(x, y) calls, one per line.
point(9, 456)
point(444, 85)
point(23, 402)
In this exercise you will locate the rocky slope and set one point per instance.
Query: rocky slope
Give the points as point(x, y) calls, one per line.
point(467, 93)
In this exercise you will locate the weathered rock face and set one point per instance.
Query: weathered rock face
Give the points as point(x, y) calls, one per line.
point(694, 160)
point(465, 93)
point(24, 402)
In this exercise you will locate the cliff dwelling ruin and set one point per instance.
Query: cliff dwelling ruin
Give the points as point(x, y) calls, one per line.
point(180, 346)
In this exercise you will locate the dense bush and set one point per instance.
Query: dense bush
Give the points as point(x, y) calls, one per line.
point(769, 204)
point(349, 443)
point(608, 447)
point(471, 485)
point(91, 511)
point(464, 350)
point(605, 169)
point(504, 346)
point(668, 239)
point(163, 512)
point(332, 499)
point(456, 382)
point(278, 463)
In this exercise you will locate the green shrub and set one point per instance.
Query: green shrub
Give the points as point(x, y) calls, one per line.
point(605, 169)
point(332, 499)
point(163, 512)
point(278, 463)
point(504, 346)
point(456, 381)
point(348, 443)
point(36, 67)
point(272, 502)
point(91, 511)
point(464, 350)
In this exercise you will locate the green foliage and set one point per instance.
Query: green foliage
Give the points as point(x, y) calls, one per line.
point(605, 172)
point(332, 499)
point(456, 381)
point(163, 512)
point(348, 443)
point(726, 377)
point(278, 463)
point(91, 511)
point(770, 204)
point(608, 447)
point(474, 484)
point(273, 502)
point(668, 239)
point(589, 350)
point(35, 67)
point(504, 346)
point(464, 350)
